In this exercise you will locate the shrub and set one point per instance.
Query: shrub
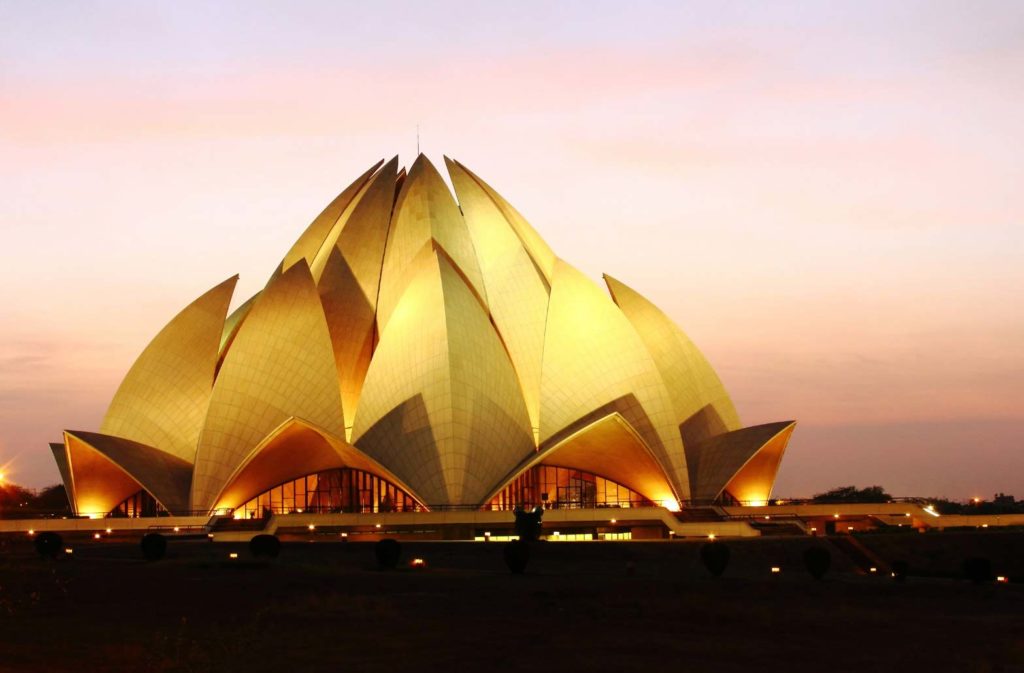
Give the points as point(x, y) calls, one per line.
point(817, 560)
point(265, 546)
point(517, 555)
point(154, 546)
point(715, 557)
point(978, 569)
point(48, 544)
point(528, 523)
point(900, 570)
point(388, 552)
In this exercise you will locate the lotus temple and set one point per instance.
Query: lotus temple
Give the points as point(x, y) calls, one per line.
point(423, 359)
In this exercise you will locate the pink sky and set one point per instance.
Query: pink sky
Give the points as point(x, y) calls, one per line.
point(828, 200)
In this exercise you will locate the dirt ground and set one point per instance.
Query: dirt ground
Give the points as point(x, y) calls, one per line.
point(324, 606)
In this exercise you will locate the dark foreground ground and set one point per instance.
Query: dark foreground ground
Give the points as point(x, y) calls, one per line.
point(580, 607)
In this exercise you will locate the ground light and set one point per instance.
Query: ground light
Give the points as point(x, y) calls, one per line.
point(776, 570)
point(711, 536)
point(69, 551)
point(418, 563)
point(233, 555)
point(1002, 579)
point(96, 536)
point(311, 527)
point(31, 531)
point(873, 569)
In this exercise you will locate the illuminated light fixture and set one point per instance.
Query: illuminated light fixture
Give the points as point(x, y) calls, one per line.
point(974, 500)
point(711, 536)
point(2, 476)
point(1002, 579)
point(95, 516)
point(556, 533)
point(614, 521)
point(849, 528)
point(672, 505)
point(31, 531)
point(344, 534)
point(311, 527)
point(237, 515)
point(233, 555)
point(814, 530)
point(418, 563)
point(209, 536)
point(109, 531)
point(776, 570)
point(766, 517)
point(892, 574)
point(907, 514)
point(873, 569)
point(176, 529)
point(69, 550)
point(299, 510)
point(96, 536)
point(376, 525)
point(984, 525)
point(931, 510)
point(835, 516)
point(780, 502)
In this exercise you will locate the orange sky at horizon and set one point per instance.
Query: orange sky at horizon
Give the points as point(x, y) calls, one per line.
point(827, 200)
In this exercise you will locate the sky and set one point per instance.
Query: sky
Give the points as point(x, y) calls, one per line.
point(827, 197)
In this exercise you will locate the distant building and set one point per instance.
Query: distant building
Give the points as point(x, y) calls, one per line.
point(414, 353)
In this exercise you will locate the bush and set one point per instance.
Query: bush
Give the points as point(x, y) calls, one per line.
point(817, 560)
point(528, 523)
point(154, 546)
point(900, 570)
point(388, 552)
point(265, 546)
point(715, 557)
point(48, 544)
point(978, 569)
point(517, 555)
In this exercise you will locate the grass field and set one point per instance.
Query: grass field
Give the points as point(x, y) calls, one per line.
point(580, 607)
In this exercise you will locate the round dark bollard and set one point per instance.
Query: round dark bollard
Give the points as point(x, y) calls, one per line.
point(715, 557)
point(388, 552)
point(265, 546)
point(48, 544)
point(517, 555)
point(817, 560)
point(154, 546)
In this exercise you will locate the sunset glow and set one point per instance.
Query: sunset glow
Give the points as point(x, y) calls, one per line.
point(854, 169)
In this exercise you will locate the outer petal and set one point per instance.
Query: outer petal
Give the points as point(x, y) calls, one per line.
point(609, 447)
point(105, 470)
point(295, 449)
point(742, 462)
point(441, 407)
point(517, 291)
point(594, 360)
point(163, 399)
point(280, 365)
point(700, 404)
